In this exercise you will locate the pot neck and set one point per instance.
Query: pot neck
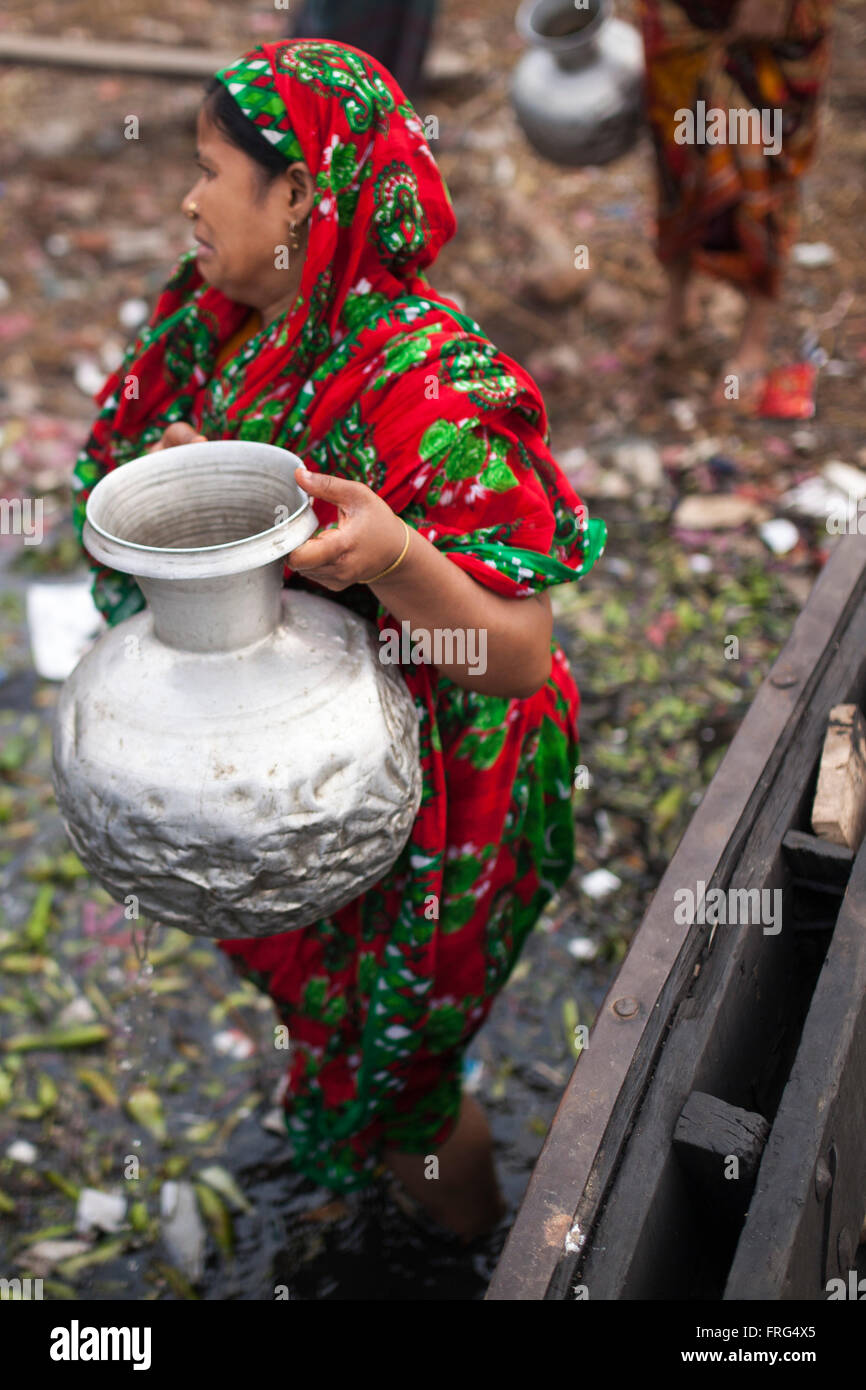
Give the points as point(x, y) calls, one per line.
point(575, 48)
point(221, 614)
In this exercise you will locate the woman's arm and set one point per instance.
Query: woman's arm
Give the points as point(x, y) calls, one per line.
point(428, 591)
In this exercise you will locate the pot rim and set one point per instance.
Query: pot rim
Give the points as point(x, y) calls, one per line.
point(558, 43)
point(204, 561)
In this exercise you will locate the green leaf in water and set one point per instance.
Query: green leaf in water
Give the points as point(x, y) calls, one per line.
point(145, 1107)
point(85, 1036)
point(222, 1182)
point(217, 1215)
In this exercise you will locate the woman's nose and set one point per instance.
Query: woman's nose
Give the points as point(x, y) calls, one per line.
point(189, 207)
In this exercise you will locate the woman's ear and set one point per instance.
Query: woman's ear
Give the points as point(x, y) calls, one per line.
point(300, 189)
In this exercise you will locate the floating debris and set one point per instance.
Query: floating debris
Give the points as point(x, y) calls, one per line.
point(99, 1211)
point(231, 1042)
point(45, 1255)
point(582, 948)
point(182, 1229)
point(600, 883)
point(22, 1151)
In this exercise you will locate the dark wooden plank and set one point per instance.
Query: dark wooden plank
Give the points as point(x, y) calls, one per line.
point(155, 60)
point(598, 1108)
point(804, 1221)
point(720, 1146)
point(816, 861)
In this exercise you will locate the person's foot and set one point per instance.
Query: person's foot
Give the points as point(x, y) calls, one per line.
point(741, 387)
point(744, 376)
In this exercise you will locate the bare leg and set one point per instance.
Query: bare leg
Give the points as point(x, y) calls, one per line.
point(674, 314)
point(749, 363)
point(663, 337)
point(465, 1198)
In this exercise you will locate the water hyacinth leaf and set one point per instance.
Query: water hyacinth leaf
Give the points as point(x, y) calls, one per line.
point(222, 1182)
point(7, 1206)
point(176, 944)
point(99, 1001)
point(73, 1037)
point(65, 868)
point(100, 1085)
point(145, 1107)
point(46, 1091)
point(40, 917)
point(55, 1288)
point(138, 1217)
point(570, 1021)
point(668, 805)
point(19, 963)
point(177, 1282)
point(169, 984)
point(14, 1006)
point(109, 1250)
point(62, 1184)
point(27, 1110)
point(240, 1112)
point(5, 1088)
point(14, 752)
point(175, 1165)
point(217, 1216)
point(48, 1233)
point(201, 1133)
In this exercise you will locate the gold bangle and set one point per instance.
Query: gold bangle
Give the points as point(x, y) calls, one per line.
point(399, 560)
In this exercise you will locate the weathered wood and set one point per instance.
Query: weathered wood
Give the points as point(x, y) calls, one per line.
point(155, 60)
point(839, 809)
point(709, 1134)
point(818, 863)
point(804, 1221)
point(587, 1140)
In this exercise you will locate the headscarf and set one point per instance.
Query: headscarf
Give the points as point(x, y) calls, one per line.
point(371, 373)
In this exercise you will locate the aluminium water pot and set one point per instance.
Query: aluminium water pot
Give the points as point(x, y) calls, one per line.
point(235, 756)
point(578, 91)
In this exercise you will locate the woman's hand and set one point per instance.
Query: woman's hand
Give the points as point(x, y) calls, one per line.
point(367, 539)
point(179, 433)
point(489, 644)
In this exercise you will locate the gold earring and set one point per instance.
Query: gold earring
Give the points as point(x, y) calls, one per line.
point(295, 243)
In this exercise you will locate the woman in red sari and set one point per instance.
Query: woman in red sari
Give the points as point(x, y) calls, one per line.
point(304, 319)
point(730, 208)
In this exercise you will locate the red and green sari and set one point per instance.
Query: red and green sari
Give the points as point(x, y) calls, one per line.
point(374, 376)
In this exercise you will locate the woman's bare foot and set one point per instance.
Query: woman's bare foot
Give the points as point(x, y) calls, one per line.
point(465, 1197)
point(745, 374)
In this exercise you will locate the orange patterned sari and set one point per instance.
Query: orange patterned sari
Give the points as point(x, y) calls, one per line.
point(731, 207)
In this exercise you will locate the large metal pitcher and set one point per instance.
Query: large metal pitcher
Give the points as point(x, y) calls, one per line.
point(235, 757)
point(578, 92)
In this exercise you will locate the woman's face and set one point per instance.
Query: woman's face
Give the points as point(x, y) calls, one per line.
point(242, 221)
